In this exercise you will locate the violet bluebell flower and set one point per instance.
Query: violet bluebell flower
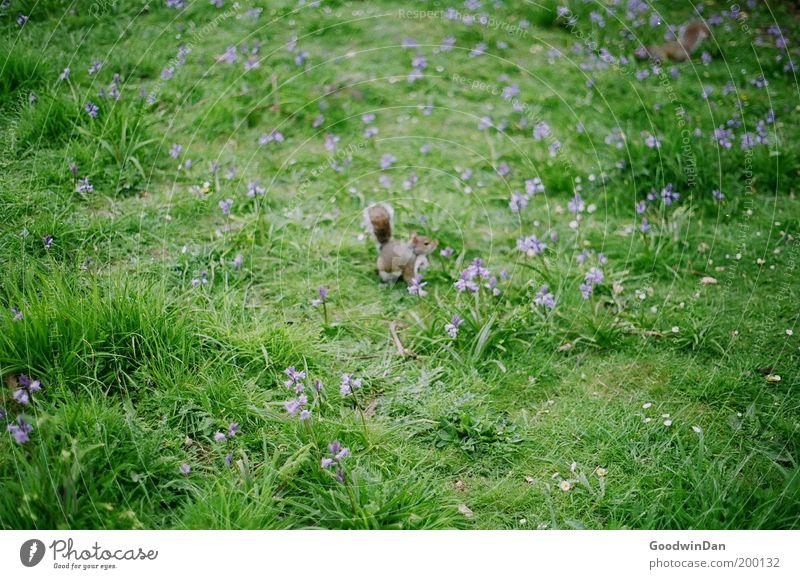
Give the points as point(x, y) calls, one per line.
point(225, 206)
point(447, 44)
point(20, 431)
point(254, 189)
point(175, 151)
point(452, 327)
point(668, 195)
point(21, 396)
point(545, 298)
point(724, 137)
point(387, 160)
point(576, 204)
point(718, 195)
point(541, 131)
point(91, 109)
point(348, 384)
point(84, 186)
point(219, 436)
point(233, 428)
point(447, 252)
point(96, 66)
point(64, 74)
point(531, 245)
point(518, 202)
point(644, 226)
point(415, 288)
point(16, 314)
point(48, 241)
point(337, 454)
point(296, 405)
point(185, 468)
point(594, 276)
point(534, 186)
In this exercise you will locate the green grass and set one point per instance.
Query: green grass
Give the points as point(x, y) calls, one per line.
point(655, 399)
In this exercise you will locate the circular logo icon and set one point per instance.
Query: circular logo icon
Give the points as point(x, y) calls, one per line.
point(31, 553)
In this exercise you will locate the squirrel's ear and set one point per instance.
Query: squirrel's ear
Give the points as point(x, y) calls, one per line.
point(413, 235)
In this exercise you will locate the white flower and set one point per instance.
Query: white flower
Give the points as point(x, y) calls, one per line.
point(647, 405)
point(668, 422)
point(564, 485)
point(697, 429)
point(675, 329)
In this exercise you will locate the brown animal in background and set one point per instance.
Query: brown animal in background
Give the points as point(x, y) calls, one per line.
point(678, 50)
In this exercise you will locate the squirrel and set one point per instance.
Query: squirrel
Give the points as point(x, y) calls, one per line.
point(406, 259)
point(678, 50)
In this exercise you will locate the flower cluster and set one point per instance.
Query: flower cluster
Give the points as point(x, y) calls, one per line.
point(348, 384)
point(452, 327)
point(298, 406)
point(337, 454)
point(470, 278)
point(23, 396)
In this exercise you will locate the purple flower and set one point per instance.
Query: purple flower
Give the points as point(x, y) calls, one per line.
point(294, 375)
point(387, 161)
point(724, 137)
point(705, 58)
point(641, 207)
point(348, 384)
point(534, 186)
point(96, 66)
point(318, 385)
point(20, 431)
point(531, 246)
point(452, 327)
point(225, 205)
point(219, 437)
point(447, 252)
point(21, 396)
point(586, 290)
point(594, 276)
point(16, 314)
point(254, 188)
point(447, 44)
point(296, 405)
point(652, 142)
point(576, 204)
point(228, 459)
point(503, 169)
point(48, 241)
point(337, 454)
point(416, 286)
point(91, 109)
point(545, 298)
point(22, 20)
point(238, 260)
point(185, 468)
point(323, 292)
point(718, 195)
point(64, 74)
point(668, 195)
point(541, 131)
point(84, 186)
point(175, 151)
point(478, 50)
point(518, 202)
point(644, 226)
point(233, 428)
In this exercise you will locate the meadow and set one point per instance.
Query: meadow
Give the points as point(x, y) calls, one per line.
point(192, 329)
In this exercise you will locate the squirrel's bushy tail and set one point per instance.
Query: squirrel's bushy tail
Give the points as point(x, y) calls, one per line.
point(379, 217)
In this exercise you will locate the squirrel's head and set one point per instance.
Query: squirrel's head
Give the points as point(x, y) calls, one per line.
point(422, 245)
